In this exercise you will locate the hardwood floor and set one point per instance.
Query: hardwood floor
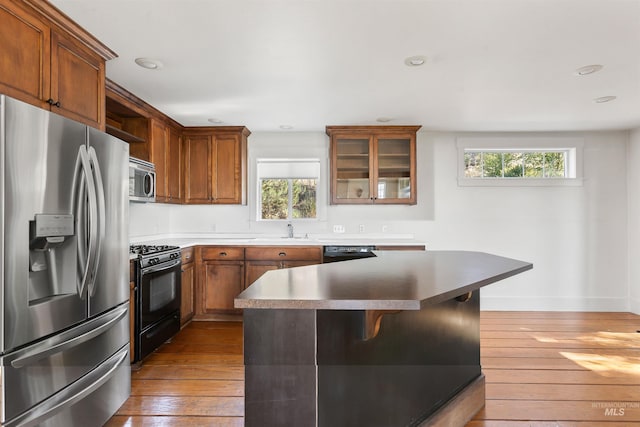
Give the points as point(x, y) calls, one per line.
point(195, 380)
point(542, 369)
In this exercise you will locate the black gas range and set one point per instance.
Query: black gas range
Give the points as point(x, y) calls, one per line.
point(157, 296)
point(150, 255)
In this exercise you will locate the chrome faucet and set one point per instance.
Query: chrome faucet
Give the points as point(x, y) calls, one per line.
point(290, 230)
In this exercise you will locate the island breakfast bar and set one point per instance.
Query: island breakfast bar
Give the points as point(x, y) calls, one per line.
point(386, 341)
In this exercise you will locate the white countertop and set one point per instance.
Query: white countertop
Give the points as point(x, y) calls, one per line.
point(187, 240)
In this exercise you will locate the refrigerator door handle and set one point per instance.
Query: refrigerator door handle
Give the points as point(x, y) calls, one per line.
point(83, 182)
point(74, 393)
point(47, 348)
point(100, 216)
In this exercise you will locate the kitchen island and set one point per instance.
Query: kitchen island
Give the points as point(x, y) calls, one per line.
point(386, 341)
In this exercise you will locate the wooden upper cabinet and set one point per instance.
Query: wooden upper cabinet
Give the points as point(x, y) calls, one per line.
point(77, 81)
point(158, 156)
point(174, 166)
point(373, 164)
point(47, 60)
point(197, 168)
point(215, 165)
point(25, 51)
point(165, 154)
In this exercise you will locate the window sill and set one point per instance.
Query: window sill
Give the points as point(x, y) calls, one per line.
point(520, 182)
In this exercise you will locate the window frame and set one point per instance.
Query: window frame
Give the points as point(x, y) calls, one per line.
point(289, 177)
point(573, 146)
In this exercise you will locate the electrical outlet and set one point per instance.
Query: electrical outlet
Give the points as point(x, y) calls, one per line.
point(385, 228)
point(361, 228)
point(338, 228)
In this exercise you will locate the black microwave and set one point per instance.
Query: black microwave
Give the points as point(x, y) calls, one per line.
point(142, 181)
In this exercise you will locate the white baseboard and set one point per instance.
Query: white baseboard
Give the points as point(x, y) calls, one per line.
point(490, 303)
point(634, 305)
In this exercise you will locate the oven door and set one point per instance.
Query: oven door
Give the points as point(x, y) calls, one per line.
point(159, 292)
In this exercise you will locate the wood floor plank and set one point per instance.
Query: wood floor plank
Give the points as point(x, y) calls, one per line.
point(537, 376)
point(167, 421)
point(484, 315)
point(187, 388)
point(194, 359)
point(554, 352)
point(560, 335)
point(173, 372)
point(528, 363)
point(631, 341)
point(558, 325)
point(559, 392)
point(194, 347)
point(512, 423)
point(183, 406)
point(548, 410)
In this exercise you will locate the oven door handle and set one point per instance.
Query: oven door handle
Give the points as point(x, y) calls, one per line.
point(161, 267)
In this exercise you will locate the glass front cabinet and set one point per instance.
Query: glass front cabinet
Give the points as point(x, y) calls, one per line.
point(373, 164)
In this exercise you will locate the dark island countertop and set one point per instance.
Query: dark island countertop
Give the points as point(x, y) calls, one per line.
point(405, 280)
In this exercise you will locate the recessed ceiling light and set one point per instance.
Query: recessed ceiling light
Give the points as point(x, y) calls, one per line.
point(415, 61)
point(604, 99)
point(383, 119)
point(149, 64)
point(286, 127)
point(215, 121)
point(588, 69)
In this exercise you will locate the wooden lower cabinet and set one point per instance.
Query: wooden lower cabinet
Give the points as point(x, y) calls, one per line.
point(223, 272)
point(260, 259)
point(223, 281)
point(255, 269)
point(187, 286)
point(220, 278)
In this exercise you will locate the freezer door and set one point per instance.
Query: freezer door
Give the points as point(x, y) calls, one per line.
point(38, 248)
point(110, 161)
point(42, 379)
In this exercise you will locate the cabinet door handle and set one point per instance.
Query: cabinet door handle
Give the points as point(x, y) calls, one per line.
point(50, 102)
point(223, 254)
point(282, 254)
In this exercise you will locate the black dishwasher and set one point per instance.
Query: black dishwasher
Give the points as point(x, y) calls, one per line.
point(344, 253)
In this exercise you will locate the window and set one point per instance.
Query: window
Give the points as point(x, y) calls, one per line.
point(516, 164)
point(519, 161)
point(287, 189)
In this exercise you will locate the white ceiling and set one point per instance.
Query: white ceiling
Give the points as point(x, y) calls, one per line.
point(492, 65)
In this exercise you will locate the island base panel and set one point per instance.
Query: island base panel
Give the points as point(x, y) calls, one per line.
point(314, 367)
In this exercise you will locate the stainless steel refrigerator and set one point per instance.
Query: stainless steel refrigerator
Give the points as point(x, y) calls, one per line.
point(64, 215)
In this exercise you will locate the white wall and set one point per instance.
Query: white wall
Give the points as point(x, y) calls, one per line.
point(633, 173)
point(576, 237)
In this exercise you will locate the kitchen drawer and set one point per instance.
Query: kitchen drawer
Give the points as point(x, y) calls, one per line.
point(222, 253)
point(310, 253)
point(187, 255)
